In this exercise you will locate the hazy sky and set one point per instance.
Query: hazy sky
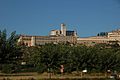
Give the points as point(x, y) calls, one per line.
point(38, 17)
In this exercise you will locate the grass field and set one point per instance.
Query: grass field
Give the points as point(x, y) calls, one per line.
point(47, 76)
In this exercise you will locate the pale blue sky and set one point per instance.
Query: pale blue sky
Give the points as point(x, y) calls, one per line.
point(38, 17)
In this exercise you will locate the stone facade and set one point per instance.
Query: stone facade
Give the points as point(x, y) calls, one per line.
point(41, 40)
point(113, 36)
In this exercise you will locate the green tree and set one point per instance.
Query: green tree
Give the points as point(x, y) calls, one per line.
point(10, 52)
point(97, 58)
point(78, 57)
point(50, 56)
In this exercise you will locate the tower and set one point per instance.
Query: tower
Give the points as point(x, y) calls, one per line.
point(63, 29)
point(33, 41)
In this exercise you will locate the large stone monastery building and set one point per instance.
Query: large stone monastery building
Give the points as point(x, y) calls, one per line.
point(55, 37)
point(66, 36)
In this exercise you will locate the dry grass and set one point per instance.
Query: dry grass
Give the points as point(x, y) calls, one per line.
point(45, 76)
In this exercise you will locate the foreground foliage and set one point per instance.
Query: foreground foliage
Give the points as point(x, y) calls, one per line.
point(49, 57)
point(10, 52)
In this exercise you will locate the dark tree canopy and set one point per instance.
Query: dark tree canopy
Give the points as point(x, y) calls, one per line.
point(10, 52)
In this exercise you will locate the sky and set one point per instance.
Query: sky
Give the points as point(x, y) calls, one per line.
point(38, 17)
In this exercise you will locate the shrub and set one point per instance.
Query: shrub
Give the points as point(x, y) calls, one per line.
point(7, 68)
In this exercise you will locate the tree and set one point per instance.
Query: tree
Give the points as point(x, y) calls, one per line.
point(100, 57)
point(50, 56)
point(10, 52)
point(79, 57)
point(102, 34)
